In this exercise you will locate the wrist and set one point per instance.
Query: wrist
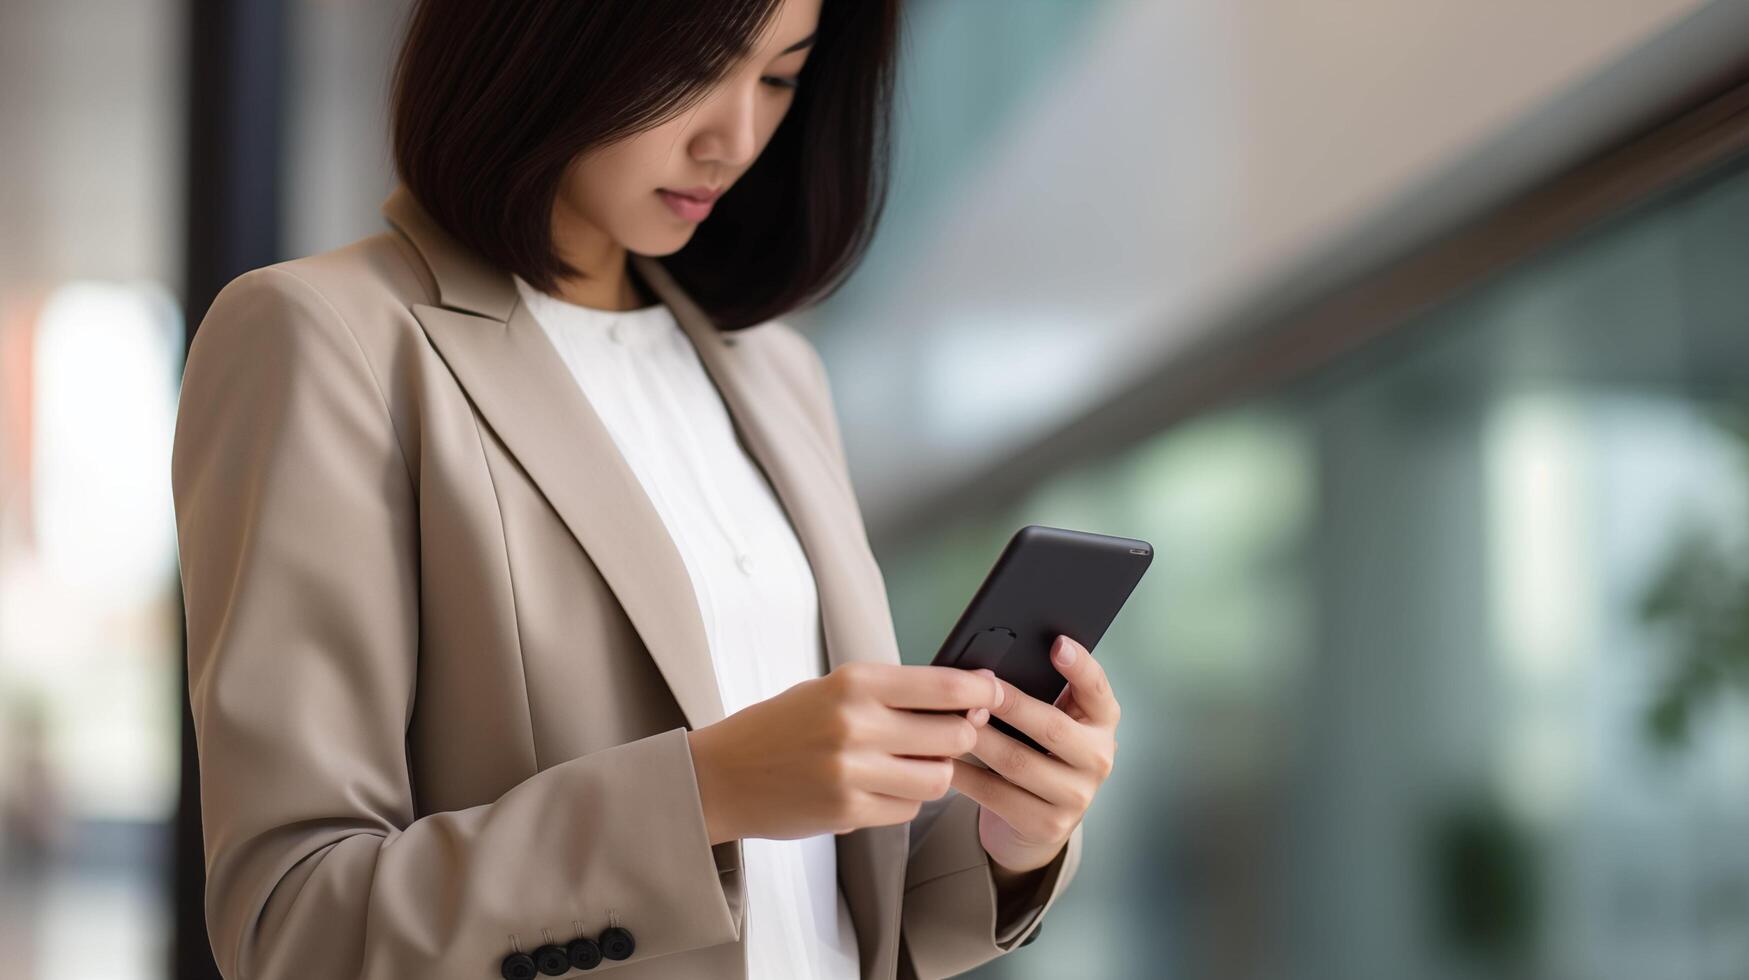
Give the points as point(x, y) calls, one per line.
point(1009, 880)
point(712, 799)
point(1015, 890)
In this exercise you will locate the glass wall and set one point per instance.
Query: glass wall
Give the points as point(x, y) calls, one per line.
point(1442, 666)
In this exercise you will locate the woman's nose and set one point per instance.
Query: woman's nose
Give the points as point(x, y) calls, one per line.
point(731, 133)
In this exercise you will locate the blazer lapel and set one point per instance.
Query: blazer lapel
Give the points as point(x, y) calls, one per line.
point(524, 391)
point(529, 398)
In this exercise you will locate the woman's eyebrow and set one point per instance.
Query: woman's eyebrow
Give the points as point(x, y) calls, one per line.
point(804, 42)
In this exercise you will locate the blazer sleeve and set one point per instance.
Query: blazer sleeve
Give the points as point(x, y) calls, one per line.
point(298, 538)
point(950, 918)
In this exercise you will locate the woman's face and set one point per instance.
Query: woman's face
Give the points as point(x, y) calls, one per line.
point(614, 195)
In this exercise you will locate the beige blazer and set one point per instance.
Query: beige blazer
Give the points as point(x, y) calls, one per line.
point(443, 654)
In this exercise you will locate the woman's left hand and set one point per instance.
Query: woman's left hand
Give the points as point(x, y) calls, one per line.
point(1030, 802)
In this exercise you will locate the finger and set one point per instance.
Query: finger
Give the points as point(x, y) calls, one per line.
point(921, 686)
point(1049, 779)
point(1065, 700)
point(919, 733)
point(1092, 689)
point(897, 776)
point(1070, 741)
point(1029, 816)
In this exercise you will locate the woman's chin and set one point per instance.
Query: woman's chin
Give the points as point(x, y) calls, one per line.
point(663, 241)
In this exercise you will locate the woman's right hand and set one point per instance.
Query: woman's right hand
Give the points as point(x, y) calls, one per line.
point(855, 748)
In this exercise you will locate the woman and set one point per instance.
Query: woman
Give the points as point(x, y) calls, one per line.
point(532, 624)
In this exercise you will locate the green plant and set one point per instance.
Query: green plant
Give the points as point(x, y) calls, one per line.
point(1701, 596)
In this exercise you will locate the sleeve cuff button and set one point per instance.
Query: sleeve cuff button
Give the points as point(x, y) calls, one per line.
point(585, 954)
point(617, 943)
point(552, 960)
point(517, 966)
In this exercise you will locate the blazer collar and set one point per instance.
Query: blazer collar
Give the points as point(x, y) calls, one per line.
point(465, 281)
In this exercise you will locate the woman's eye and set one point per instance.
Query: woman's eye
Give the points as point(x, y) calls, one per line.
point(774, 81)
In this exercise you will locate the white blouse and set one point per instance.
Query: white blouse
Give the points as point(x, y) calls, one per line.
point(641, 374)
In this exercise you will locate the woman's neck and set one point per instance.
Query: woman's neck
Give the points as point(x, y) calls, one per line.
point(617, 293)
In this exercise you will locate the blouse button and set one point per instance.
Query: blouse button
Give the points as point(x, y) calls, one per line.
point(617, 331)
point(745, 561)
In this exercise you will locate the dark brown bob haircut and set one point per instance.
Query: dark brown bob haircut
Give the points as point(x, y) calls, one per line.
point(491, 100)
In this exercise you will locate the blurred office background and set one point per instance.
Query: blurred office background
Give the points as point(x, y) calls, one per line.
point(1414, 333)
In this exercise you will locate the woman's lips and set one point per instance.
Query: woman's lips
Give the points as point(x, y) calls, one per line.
point(685, 207)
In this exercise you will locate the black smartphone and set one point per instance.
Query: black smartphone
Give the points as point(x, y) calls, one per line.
point(1048, 580)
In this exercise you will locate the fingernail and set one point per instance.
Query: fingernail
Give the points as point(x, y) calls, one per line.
point(1065, 651)
point(980, 715)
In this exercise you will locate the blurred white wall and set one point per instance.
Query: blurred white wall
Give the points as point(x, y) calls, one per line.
point(90, 142)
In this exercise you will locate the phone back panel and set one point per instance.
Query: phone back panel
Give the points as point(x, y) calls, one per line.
point(1048, 580)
